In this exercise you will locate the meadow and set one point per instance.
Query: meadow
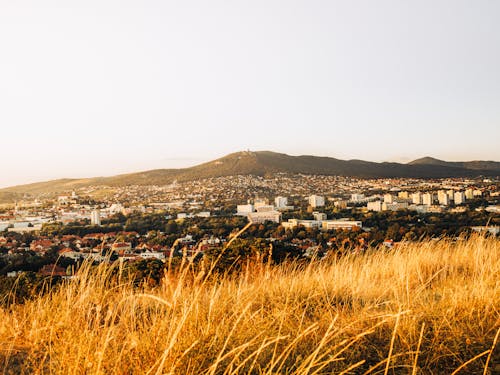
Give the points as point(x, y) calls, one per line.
point(430, 307)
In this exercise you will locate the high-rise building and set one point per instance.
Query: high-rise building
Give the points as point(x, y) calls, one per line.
point(280, 202)
point(416, 198)
point(469, 194)
point(388, 198)
point(428, 199)
point(443, 198)
point(95, 217)
point(451, 194)
point(403, 195)
point(459, 197)
point(316, 201)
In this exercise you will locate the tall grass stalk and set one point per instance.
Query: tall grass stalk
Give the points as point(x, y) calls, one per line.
point(427, 307)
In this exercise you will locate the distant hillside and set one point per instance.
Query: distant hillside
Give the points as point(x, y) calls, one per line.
point(473, 165)
point(262, 163)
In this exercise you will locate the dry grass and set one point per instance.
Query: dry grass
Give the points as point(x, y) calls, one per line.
point(426, 308)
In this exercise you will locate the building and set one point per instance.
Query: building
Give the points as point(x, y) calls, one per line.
point(95, 217)
point(320, 216)
point(264, 208)
point(416, 198)
point(281, 202)
point(469, 194)
point(403, 195)
point(374, 206)
point(121, 247)
point(459, 197)
point(451, 194)
point(388, 198)
point(292, 223)
point(316, 201)
point(244, 209)
point(395, 206)
point(357, 197)
point(322, 224)
point(260, 202)
point(495, 230)
point(340, 204)
point(428, 199)
point(263, 216)
point(443, 198)
point(340, 224)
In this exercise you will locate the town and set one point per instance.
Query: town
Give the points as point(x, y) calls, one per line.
point(302, 215)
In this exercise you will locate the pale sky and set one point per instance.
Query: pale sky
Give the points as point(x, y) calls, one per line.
point(90, 88)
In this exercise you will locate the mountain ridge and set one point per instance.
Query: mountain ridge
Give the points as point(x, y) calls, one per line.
point(261, 163)
point(473, 164)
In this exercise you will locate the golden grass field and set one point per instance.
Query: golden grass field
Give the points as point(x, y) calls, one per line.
point(424, 308)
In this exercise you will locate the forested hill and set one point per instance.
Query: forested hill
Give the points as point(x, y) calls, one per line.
point(263, 163)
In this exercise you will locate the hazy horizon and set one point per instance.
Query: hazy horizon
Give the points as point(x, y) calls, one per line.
point(106, 87)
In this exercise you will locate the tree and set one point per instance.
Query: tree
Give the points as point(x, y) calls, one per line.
point(171, 227)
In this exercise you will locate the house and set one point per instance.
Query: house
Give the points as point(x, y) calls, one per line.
point(52, 270)
point(121, 247)
point(41, 246)
point(70, 253)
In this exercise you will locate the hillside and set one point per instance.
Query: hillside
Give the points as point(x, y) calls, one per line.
point(428, 308)
point(482, 165)
point(261, 163)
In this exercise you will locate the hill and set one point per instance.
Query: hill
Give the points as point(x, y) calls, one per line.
point(482, 165)
point(263, 163)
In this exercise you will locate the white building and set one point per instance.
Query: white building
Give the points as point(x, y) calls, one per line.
point(115, 208)
point(320, 216)
point(316, 201)
point(152, 255)
point(203, 214)
point(428, 199)
point(322, 224)
point(374, 206)
point(262, 217)
point(451, 194)
point(357, 197)
point(340, 224)
point(459, 197)
point(280, 202)
point(491, 229)
point(292, 223)
point(244, 209)
point(469, 194)
point(95, 217)
point(264, 208)
point(395, 206)
point(403, 195)
point(388, 198)
point(443, 198)
point(261, 202)
point(416, 198)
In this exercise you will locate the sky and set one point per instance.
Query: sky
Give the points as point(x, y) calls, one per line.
point(101, 87)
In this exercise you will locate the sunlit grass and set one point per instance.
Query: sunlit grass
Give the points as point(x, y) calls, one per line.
point(424, 308)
